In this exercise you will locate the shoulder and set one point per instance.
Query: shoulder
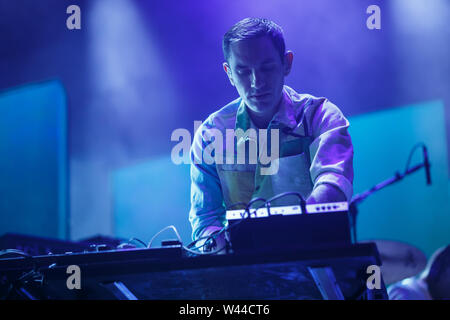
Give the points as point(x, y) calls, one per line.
point(222, 119)
point(310, 104)
point(302, 98)
point(225, 117)
point(318, 113)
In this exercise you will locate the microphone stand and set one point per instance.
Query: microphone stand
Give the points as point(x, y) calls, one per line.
point(353, 209)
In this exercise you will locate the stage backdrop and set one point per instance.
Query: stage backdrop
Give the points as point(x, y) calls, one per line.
point(408, 211)
point(152, 195)
point(33, 162)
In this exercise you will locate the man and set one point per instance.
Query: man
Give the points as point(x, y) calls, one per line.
point(314, 147)
point(432, 284)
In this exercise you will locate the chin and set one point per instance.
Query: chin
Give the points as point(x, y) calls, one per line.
point(256, 108)
point(260, 106)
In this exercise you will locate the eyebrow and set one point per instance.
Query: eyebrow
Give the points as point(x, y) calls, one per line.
point(267, 61)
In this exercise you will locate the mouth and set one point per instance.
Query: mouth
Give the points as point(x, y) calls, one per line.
point(260, 96)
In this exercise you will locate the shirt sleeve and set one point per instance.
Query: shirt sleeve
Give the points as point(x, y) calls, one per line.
point(207, 205)
point(331, 150)
point(408, 289)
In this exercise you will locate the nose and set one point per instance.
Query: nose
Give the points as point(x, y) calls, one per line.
point(257, 80)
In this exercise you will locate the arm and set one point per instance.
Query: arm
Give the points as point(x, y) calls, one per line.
point(325, 193)
point(331, 155)
point(207, 212)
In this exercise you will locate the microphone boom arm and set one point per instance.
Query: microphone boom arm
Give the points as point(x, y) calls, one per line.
point(353, 210)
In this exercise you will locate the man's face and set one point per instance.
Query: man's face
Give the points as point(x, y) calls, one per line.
point(257, 71)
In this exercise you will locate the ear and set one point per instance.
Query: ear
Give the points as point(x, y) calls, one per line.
point(227, 70)
point(288, 58)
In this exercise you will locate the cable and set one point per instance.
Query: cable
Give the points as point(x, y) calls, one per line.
point(267, 204)
point(284, 194)
point(138, 240)
point(204, 253)
point(215, 234)
point(184, 247)
point(244, 215)
point(212, 236)
point(130, 242)
point(161, 231)
point(247, 208)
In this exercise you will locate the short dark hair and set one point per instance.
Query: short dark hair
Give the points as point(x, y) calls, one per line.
point(250, 28)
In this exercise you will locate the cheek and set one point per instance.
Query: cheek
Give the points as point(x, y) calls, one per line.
point(275, 77)
point(277, 82)
point(241, 84)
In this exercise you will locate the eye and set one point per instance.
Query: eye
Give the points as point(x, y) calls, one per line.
point(242, 71)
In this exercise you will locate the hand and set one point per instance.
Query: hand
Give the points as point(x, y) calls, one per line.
point(219, 240)
point(325, 193)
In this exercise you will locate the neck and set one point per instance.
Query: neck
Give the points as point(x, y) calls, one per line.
point(262, 119)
